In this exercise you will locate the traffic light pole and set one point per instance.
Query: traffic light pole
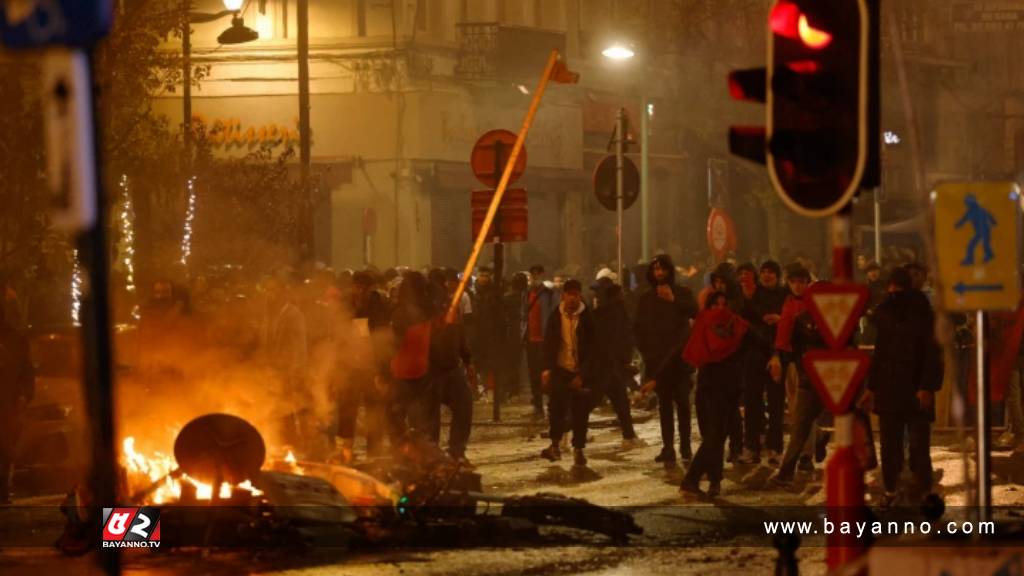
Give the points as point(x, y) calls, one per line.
point(844, 477)
point(620, 129)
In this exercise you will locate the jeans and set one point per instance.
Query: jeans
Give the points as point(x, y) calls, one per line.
point(566, 405)
point(758, 384)
point(891, 427)
point(450, 388)
point(718, 396)
point(410, 408)
point(807, 408)
point(673, 391)
point(535, 365)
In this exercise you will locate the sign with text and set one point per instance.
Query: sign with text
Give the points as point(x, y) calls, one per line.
point(976, 227)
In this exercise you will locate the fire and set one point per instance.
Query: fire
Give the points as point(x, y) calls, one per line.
point(159, 468)
point(291, 461)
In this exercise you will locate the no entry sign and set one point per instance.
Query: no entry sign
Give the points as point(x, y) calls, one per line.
point(491, 152)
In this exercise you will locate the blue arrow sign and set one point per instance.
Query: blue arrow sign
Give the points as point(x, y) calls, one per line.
point(961, 288)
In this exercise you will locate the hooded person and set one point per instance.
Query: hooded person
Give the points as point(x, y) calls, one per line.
point(717, 336)
point(613, 351)
point(569, 372)
point(661, 330)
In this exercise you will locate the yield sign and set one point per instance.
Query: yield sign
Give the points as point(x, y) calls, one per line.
point(836, 374)
point(836, 309)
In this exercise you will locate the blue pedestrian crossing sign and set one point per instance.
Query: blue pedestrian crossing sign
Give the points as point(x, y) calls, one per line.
point(976, 242)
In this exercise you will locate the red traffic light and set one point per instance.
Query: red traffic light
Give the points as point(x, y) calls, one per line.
point(789, 21)
point(818, 86)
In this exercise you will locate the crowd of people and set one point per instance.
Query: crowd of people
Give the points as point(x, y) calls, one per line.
point(723, 346)
point(728, 348)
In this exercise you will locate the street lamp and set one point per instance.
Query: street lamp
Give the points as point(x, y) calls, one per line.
point(619, 52)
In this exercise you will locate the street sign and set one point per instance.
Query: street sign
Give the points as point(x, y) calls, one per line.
point(512, 219)
point(37, 23)
point(604, 183)
point(976, 227)
point(836, 309)
point(836, 374)
point(721, 233)
point(489, 155)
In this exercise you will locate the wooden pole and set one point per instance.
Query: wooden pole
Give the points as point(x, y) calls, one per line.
point(481, 237)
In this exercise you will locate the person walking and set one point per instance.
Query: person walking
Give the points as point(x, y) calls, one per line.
point(661, 330)
point(538, 303)
point(613, 353)
point(712, 348)
point(568, 372)
point(906, 371)
point(452, 382)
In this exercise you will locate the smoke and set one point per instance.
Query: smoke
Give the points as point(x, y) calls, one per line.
point(180, 367)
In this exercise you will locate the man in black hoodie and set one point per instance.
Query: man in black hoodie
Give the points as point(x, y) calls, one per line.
point(613, 351)
point(763, 310)
point(661, 329)
point(906, 371)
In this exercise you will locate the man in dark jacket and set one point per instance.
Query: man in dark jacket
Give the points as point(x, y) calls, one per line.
point(569, 371)
point(452, 379)
point(613, 351)
point(17, 383)
point(906, 371)
point(763, 310)
point(538, 303)
point(661, 328)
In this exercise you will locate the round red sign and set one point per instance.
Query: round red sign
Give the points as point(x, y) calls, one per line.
point(490, 154)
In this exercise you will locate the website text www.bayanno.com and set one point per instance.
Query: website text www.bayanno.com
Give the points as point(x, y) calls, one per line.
point(865, 528)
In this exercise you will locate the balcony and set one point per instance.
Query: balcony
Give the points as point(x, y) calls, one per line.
point(493, 51)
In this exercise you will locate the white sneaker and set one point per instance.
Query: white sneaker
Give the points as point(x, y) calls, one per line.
point(633, 443)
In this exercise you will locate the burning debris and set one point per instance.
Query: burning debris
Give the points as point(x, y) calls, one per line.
point(419, 497)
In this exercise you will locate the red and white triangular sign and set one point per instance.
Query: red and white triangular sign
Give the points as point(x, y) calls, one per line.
point(837, 375)
point(836, 309)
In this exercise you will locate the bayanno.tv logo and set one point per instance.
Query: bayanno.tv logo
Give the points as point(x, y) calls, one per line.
point(131, 527)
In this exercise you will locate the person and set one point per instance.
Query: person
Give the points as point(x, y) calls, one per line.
point(511, 351)
point(661, 329)
point(363, 384)
point(452, 382)
point(613, 352)
point(762, 310)
point(286, 350)
point(568, 371)
point(795, 334)
point(538, 303)
point(17, 384)
point(712, 348)
point(905, 373)
point(411, 322)
point(489, 328)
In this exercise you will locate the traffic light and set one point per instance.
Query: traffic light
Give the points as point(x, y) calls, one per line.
point(820, 86)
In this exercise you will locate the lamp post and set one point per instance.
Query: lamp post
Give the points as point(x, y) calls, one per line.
point(619, 52)
point(238, 33)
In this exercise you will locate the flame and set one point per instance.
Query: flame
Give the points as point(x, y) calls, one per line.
point(158, 468)
point(292, 462)
point(290, 458)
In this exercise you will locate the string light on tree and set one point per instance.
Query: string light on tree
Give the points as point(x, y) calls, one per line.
point(190, 214)
point(76, 289)
point(127, 218)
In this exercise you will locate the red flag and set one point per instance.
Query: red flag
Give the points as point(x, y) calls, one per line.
point(563, 75)
point(716, 335)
